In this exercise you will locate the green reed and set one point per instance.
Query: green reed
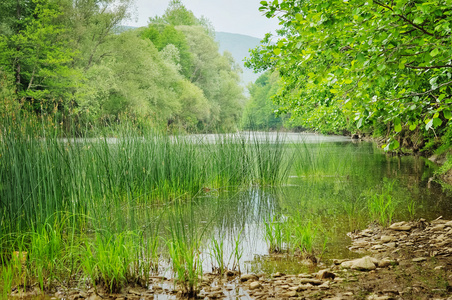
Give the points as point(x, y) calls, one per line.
point(382, 206)
point(184, 249)
point(217, 253)
point(275, 233)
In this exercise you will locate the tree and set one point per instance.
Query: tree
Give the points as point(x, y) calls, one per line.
point(32, 50)
point(163, 35)
point(259, 112)
point(367, 65)
point(217, 75)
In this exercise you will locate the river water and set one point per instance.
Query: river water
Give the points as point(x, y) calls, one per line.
point(331, 185)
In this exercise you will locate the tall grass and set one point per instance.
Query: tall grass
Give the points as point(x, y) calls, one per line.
point(184, 249)
point(382, 206)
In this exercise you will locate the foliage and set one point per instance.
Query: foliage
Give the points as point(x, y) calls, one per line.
point(217, 76)
point(351, 64)
point(259, 111)
point(381, 206)
point(70, 59)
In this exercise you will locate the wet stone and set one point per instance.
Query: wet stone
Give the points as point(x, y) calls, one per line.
point(255, 285)
point(246, 277)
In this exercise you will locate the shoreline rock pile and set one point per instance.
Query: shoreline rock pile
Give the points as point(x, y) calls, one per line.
point(406, 239)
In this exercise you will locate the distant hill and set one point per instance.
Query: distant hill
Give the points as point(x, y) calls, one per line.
point(238, 45)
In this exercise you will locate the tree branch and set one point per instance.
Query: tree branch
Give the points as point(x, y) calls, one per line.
point(427, 68)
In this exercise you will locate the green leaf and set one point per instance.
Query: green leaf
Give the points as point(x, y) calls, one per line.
point(447, 114)
point(413, 126)
point(299, 17)
point(434, 52)
point(395, 145)
point(360, 123)
point(398, 128)
point(437, 122)
point(277, 51)
point(418, 20)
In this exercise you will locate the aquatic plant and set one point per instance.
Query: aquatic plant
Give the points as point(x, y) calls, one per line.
point(381, 206)
point(273, 162)
point(274, 233)
point(237, 251)
point(217, 253)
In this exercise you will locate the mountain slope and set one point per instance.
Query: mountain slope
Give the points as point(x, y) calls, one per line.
point(239, 46)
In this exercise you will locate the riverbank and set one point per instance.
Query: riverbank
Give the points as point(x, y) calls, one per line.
point(407, 260)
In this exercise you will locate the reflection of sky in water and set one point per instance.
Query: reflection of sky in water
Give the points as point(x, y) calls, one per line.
point(345, 174)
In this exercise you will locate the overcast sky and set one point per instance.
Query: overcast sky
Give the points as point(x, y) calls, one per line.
point(235, 16)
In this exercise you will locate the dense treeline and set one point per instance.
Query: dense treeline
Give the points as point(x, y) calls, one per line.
point(74, 60)
point(259, 109)
point(378, 67)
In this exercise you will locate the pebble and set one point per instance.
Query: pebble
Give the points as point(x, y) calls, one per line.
point(388, 238)
point(419, 259)
point(246, 277)
point(255, 285)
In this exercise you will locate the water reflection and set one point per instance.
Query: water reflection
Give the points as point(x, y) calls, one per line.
point(330, 188)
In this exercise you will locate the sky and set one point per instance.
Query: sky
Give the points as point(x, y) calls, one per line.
point(234, 16)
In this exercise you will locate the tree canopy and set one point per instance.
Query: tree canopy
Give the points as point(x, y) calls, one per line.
point(71, 58)
point(378, 66)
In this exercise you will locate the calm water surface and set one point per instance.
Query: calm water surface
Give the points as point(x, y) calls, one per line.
point(330, 181)
point(329, 186)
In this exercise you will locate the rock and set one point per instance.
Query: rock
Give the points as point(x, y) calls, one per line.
point(215, 295)
point(246, 277)
point(255, 285)
point(377, 247)
point(419, 259)
point(385, 262)
point(134, 292)
point(338, 261)
point(94, 297)
point(390, 245)
point(310, 281)
point(284, 287)
point(278, 274)
point(388, 238)
point(304, 287)
point(325, 274)
point(438, 227)
point(325, 285)
point(289, 294)
point(400, 226)
point(364, 264)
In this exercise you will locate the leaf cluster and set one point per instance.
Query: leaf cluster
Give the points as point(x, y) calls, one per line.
point(359, 65)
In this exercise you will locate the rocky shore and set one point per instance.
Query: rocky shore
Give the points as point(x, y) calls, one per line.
point(407, 260)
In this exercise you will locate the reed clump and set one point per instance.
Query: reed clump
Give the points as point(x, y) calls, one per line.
point(81, 204)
